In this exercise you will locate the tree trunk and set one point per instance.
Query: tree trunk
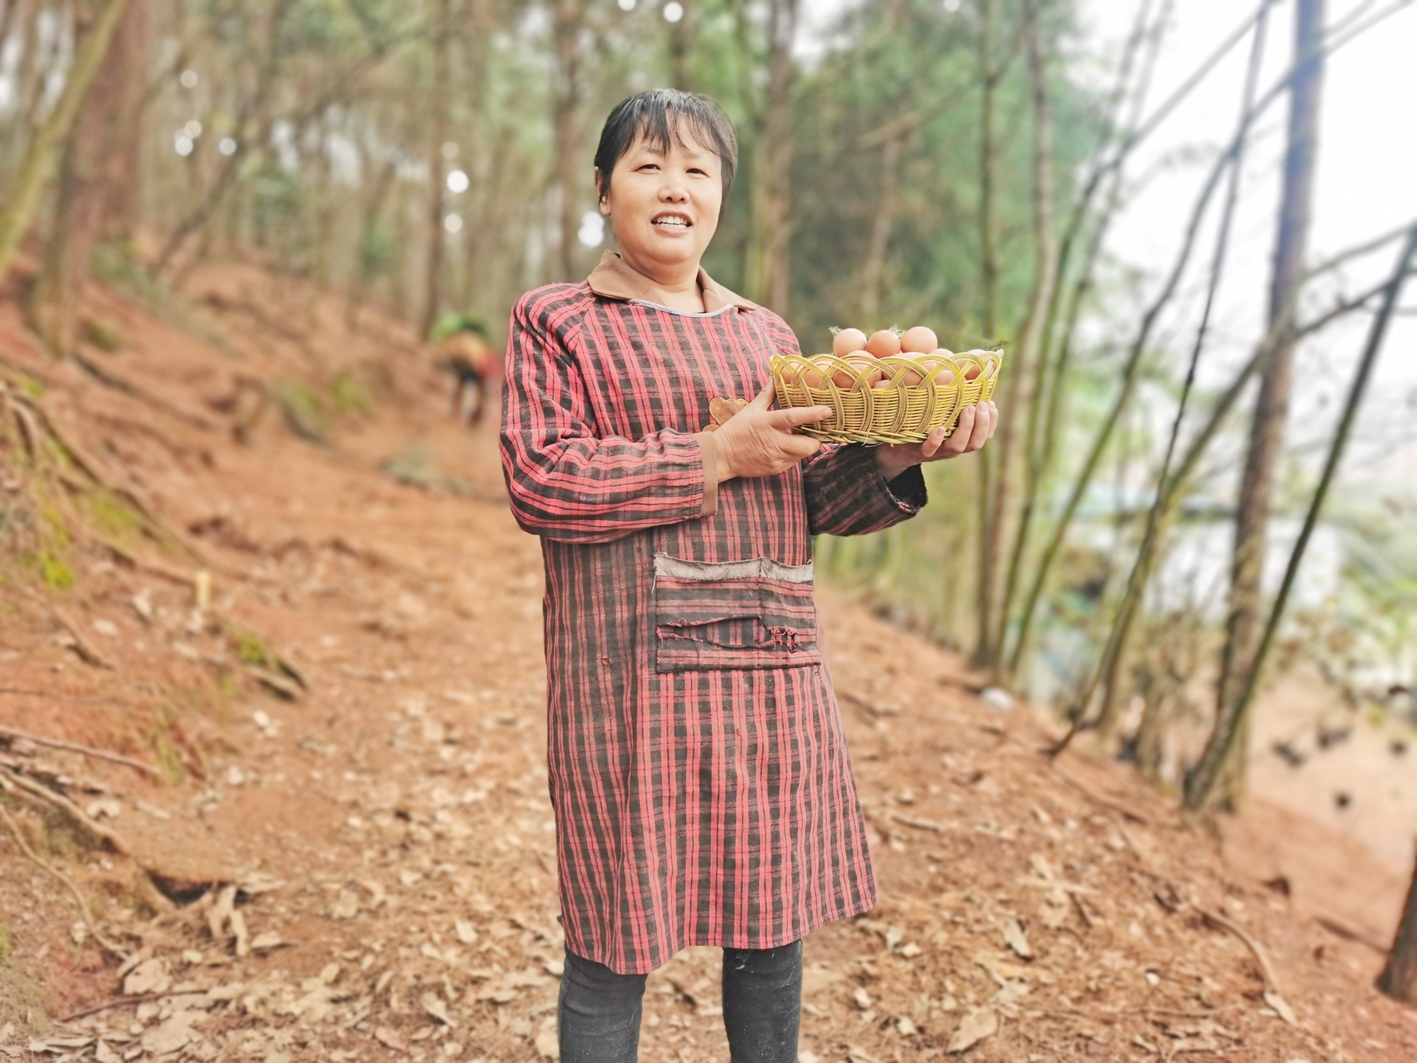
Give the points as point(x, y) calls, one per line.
point(1399, 977)
point(873, 270)
point(367, 266)
point(1024, 382)
point(1115, 654)
point(89, 184)
point(123, 168)
point(7, 20)
point(768, 276)
point(681, 37)
point(481, 216)
point(441, 92)
point(252, 134)
point(985, 653)
point(18, 212)
point(1222, 783)
point(571, 169)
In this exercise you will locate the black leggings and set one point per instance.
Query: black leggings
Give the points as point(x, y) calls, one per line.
point(762, 1008)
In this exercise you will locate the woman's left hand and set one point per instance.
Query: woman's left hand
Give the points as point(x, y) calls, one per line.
point(976, 424)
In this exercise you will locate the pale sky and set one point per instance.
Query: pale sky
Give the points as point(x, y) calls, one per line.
point(1367, 184)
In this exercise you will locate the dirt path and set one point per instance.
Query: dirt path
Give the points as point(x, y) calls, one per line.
point(366, 872)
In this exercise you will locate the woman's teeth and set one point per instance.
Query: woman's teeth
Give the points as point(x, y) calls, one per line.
point(671, 223)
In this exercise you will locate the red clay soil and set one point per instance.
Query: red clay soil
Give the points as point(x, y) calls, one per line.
point(351, 857)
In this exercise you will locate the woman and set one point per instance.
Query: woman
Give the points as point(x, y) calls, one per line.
point(701, 785)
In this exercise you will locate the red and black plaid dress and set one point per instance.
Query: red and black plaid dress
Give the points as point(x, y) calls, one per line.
point(701, 785)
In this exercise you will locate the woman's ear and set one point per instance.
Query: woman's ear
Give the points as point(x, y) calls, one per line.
point(600, 191)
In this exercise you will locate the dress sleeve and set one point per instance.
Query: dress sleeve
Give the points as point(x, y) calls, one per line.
point(846, 492)
point(565, 482)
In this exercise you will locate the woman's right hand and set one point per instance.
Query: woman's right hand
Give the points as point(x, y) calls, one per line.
point(759, 441)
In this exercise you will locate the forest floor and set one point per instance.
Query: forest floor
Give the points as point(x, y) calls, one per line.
point(347, 851)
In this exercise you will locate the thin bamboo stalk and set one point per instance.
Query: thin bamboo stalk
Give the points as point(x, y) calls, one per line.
point(1115, 652)
point(1053, 371)
point(1201, 785)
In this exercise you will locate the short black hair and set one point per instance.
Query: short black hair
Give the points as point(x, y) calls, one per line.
point(647, 114)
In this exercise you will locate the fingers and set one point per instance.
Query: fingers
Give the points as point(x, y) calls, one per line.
point(983, 425)
point(933, 442)
point(959, 441)
point(763, 400)
point(798, 415)
point(799, 447)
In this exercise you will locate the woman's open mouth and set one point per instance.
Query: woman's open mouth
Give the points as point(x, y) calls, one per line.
point(671, 223)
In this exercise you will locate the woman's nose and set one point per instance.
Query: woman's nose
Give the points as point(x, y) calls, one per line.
point(673, 191)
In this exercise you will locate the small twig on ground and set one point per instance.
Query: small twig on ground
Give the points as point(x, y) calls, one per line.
point(1097, 799)
point(108, 946)
point(1081, 909)
point(108, 1005)
point(1272, 994)
point(920, 824)
point(1349, 934)
point(83, 699)
point(74, 747)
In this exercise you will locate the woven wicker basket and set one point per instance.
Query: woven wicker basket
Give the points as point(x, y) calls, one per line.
point(890, 414)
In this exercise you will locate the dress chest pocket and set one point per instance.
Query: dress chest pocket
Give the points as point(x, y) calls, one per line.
point(735, 614)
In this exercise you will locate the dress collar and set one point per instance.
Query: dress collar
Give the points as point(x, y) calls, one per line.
point(614, 278)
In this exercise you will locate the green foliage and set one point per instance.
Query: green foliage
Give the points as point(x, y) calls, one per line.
point(377, 254)
point(279, 216)
point(250, 649)
point(349, 395)
point(304, 411)
point(102, 335)
point(452, 323)
point(111, 515)
point(52, 569)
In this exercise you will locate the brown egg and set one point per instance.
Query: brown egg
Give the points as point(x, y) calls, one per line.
point(865, 364)
point(918, 340)
point(858, 364)
point(913, 378)
point(816, 376)
point(848, 340)
point(884, 344)
point(929, 361)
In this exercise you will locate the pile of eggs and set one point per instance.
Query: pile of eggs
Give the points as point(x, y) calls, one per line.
point(862, 356)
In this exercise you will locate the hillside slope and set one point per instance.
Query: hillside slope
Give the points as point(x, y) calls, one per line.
point(348, 852)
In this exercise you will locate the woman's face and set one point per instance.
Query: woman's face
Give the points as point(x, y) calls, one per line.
point(664, 205)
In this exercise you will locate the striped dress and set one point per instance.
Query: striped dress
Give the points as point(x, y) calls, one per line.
point(701, 785)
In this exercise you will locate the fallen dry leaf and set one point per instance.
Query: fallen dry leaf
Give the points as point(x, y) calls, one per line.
point(149, 976)
point(548, 1044)
point(1015, 938)
point(433, 1005)
point(388, 1038)
point(977, 1025)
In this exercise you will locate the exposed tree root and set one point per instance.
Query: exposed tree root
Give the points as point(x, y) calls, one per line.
point(109, 946)
point(74, 747)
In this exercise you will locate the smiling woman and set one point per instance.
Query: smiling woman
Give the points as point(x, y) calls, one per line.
point(663, 169)
point(700, 780)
